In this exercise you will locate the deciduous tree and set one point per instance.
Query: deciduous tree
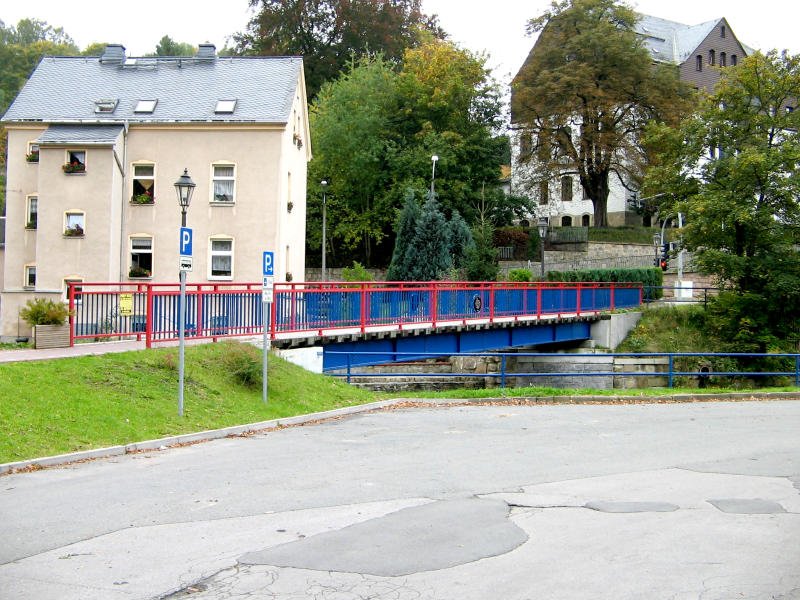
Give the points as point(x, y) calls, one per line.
point(585, 94)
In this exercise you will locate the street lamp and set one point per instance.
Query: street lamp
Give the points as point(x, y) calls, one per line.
point(324, 184)
point(542, 227)
point(434, 158)
point(184, 187)
point(657, 247)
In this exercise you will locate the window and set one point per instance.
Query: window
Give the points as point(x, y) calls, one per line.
point(78, 289)
point(33, 153)
point(566, 188)
point(586, 220)
point(224, 178)
point(105, 106)
point(723, 59)
point(544, 192)
point(74, 223)
point(221, 251)
point(566, 221)
point(141, 257)
point(76, 161)
point(225, 106)
point(32, 213)
point(722, 31)
point(524, 146)
point(711, 57)
point(733, 60)
point(699, 63)
point(30, 276)
point(144, 184)
point(145, 106)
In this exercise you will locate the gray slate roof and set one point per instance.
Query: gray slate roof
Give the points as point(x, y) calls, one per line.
point(80, 134)
point(65, 89)
point(672, 42)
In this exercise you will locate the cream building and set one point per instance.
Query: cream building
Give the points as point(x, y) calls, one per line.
point(95, 146)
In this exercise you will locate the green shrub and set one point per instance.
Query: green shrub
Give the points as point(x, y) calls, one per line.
point(516, 237)
point(651, 278)
point(356, 273)
point(244, 363)
point(520, 275)
point(43, 311)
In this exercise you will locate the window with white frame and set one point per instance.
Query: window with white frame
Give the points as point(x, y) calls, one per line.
point(76, 161)
point(32, 212)
point(221, 258)
point(141, 257)
point(144, 184)
point(223, 183)
point(33, 152)
point(78, 289)
point(30, 276)
point(566, 188)
point(74, 223)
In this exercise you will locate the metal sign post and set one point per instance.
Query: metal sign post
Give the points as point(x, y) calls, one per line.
point(184, 265)
point(267, 263)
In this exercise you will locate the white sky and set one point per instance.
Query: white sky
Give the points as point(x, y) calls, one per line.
point(494, 26)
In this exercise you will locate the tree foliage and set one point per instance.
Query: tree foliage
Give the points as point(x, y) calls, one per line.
point(585, 94)
point(375, 129)
point(168, 47)
point(400, 267)
point(732, 169)
point(329, 33)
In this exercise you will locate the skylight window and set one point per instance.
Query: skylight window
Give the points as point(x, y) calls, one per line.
point(105, 106)
point(225, 106)
point(145, 106)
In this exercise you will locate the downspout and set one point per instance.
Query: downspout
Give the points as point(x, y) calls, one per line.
point(121, 167)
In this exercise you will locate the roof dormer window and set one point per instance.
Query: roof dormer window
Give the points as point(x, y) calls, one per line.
point(105, 106)
point(722, 31)
point(145, 106)
point(225, 106)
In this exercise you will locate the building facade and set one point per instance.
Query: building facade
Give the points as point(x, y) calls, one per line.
point(699, 52)
point(95, 145)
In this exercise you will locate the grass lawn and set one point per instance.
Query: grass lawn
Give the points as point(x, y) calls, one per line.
point(58, 406)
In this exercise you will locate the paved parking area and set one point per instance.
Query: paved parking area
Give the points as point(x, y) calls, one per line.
point(656, 501)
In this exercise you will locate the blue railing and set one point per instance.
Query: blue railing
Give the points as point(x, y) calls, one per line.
point(702, 373)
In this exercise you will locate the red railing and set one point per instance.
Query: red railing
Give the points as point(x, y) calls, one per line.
point(149, 311)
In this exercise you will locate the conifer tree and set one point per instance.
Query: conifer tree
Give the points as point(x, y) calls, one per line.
point(429, 254)
point(399, 269)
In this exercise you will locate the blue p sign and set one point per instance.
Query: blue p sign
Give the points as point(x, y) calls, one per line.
point(269, 264)
point(186, 241)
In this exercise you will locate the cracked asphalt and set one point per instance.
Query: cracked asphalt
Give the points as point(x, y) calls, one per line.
point(654, 501)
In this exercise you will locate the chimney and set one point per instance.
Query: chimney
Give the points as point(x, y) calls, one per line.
point(114, 53)
point(206, 52)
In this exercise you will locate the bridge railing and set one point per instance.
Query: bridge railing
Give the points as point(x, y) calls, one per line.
point(150, 310)
point(697, 366)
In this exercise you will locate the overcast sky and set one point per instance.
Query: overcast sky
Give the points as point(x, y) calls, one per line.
point(494, 26)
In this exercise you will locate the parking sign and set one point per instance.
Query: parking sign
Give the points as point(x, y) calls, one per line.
point(269, 264)
point(186, 241)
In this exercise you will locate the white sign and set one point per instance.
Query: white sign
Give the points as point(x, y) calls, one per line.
point(268, 282)
point(266, 295)
point(185, 263)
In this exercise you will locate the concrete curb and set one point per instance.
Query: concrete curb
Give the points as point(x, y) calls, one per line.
point(35, 464)
point(189, 438)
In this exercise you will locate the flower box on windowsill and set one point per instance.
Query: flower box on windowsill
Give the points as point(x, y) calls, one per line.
point(139, 273)
point(224, 199)
point(145, 198)
point(76, 231)
point(73, 168)
point(31, 225)
point(33, 157)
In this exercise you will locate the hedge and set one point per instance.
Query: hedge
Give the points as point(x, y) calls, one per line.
point(651, 278)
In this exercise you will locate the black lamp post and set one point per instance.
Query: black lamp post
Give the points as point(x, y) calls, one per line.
point(184, 187)
point(542, 227)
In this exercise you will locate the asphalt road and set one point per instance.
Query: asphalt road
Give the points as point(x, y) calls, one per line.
point(646, 501)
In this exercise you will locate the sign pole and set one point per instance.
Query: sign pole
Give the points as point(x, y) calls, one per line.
point(265, 320)
point(268, 268)
point(181, 333)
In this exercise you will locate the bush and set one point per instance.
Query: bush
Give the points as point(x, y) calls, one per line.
point(356, 273)
point(520, 275)
point(516, 237)
point(244, 363)
point(651, 278)
point(43, 311)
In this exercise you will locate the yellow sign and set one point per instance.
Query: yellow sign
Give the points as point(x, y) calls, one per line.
point(126, 305)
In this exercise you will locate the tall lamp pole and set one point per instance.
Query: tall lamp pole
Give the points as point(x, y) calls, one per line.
point(184, 187)
point(324, 184)
point(542, 227)
point(434, 158)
